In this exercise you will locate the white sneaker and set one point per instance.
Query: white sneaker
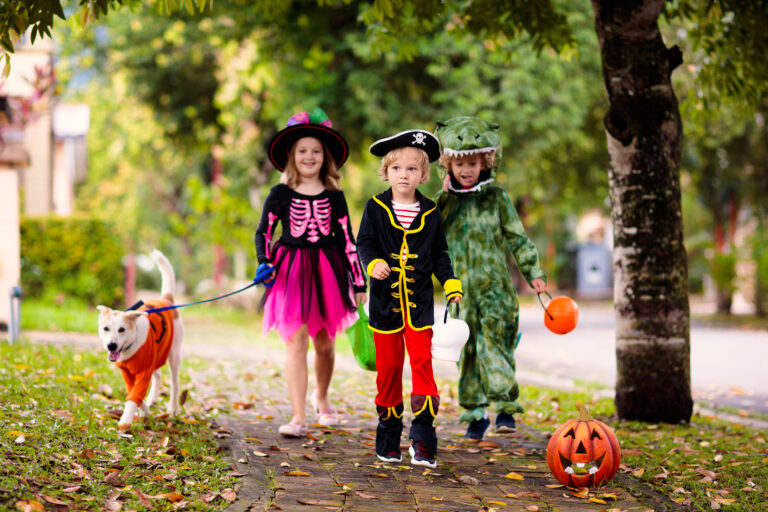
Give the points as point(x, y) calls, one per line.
point(326, 418)
point(293, 429)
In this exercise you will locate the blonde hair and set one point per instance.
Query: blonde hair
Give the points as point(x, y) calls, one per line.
point(390, 157)
point(489, 160)
point(329, 173)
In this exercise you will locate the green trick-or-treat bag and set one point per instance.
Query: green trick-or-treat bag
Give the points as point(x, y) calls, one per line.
point(361, 339)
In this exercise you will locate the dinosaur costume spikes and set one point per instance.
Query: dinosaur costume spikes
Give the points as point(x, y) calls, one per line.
point(465, 135)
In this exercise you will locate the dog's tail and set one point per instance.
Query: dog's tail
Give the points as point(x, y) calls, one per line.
point(168, 286)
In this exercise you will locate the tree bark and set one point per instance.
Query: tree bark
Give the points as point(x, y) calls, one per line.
point(644, 133)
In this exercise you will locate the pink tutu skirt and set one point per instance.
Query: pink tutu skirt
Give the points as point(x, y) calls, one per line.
point(313, 287)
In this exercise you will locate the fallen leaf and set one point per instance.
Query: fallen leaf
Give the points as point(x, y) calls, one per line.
point(553, 486)
point(20, 439)
point(707, 473)
point(296, 472)
point(173, 497)
point(441, 499)
point(510, 495)
point(253, 440)
point(469, 480)
point(380, 475)
point(113, 479)
point(598, 500)
point(501, 503)
point(366, 496)
point(514, 476)
point(51, 499)
point(714, 505)
point(229, 496)
point(638, 472)
point(488, 444)
point(30, 506)
point(532, 508)
point(142, 497)
point(260, 454)
point(74, 488)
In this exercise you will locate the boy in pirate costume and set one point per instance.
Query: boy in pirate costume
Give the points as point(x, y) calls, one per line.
point(482, 227)
point(401, 243)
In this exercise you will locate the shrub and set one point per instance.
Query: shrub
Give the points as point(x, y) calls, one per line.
point(79, 257)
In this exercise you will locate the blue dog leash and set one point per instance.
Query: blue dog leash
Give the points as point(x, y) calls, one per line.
point(262, 272)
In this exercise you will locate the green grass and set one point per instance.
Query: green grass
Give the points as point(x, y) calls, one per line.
point(706, 464)
point(69, 315)
point(59, 442)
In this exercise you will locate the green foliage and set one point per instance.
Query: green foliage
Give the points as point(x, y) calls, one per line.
point(729, 44)
point(724, 270)
point(79, 257)
point(58, 431)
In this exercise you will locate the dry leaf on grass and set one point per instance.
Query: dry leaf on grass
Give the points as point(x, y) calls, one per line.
point(514, 476)
point(53, 500)
point(229, 496)
point(113, 479)
point(30, 506)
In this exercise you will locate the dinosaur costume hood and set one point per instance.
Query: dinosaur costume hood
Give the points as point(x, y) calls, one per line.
point(466, 135)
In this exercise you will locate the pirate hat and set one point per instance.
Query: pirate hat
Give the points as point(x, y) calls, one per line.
point(419, 139)
point(301, 125)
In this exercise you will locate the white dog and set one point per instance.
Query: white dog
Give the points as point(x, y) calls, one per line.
point(140, 343)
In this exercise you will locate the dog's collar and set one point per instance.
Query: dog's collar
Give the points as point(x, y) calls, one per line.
point(127, 348)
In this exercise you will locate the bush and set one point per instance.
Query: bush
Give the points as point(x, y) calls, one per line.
point(78, 257)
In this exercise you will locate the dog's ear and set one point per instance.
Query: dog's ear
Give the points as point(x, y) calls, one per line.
point(135, 314)
point(103, 309)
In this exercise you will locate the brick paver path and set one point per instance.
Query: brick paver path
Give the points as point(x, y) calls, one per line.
point(336, 468)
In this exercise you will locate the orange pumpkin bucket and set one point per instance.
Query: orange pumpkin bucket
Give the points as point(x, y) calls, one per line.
point(561, 314)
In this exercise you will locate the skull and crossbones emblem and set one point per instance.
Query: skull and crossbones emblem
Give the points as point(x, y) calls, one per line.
point(418, 138)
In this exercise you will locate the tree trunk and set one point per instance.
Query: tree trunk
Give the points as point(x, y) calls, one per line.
point(644, 133)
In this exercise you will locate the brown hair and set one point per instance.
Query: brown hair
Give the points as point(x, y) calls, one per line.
point(489, 160)
point(329, 173)
point(390, 157)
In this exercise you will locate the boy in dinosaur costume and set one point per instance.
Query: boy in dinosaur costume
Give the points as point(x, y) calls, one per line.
point(482, 226)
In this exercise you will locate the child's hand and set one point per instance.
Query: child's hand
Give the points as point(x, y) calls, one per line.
point(361, 298)
point(446, 182)
point(380, 271)
point(455, 299)
point(539, 285)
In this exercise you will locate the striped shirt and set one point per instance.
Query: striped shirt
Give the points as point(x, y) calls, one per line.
point(405, 213)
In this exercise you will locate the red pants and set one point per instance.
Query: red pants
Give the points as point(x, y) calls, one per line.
point(390, 356)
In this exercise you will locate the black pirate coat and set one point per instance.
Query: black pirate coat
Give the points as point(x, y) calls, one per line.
point(413, 255)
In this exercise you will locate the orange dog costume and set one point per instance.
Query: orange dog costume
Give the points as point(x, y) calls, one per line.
point(138, 370)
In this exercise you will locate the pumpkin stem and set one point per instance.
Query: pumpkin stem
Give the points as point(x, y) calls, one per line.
point(583, 412)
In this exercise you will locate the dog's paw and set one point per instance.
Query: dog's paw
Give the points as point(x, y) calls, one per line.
point(172, 410)
point(122, 427)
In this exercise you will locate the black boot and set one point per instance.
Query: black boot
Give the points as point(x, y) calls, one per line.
point(388, 433)
point(423, 435)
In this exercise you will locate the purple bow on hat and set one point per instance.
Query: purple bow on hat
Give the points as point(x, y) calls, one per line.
point(316, 117)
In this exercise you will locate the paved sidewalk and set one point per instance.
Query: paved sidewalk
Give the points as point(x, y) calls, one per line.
point(336, 469)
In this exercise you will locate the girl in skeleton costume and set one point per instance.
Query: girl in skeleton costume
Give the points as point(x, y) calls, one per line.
point(482, 227)
point(317, 282)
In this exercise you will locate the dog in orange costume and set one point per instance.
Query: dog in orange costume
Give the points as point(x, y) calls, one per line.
point(140, 344)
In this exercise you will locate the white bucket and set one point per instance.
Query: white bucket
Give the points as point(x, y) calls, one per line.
point(449, 338)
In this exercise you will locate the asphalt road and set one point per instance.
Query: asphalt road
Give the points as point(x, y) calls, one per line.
point(729, 367)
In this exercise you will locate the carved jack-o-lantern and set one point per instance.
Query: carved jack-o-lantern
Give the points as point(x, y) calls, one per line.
point(583, 452)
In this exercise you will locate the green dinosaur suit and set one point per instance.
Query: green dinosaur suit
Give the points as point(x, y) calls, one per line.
point(482, 227)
